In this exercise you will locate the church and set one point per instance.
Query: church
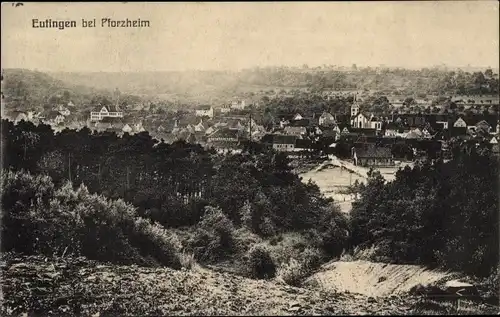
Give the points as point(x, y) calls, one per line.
point(358, 118)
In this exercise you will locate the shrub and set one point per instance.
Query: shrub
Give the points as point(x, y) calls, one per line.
point(187, 260)
point(244, 239)
point(57, 222)
point(260, 263)
point(213, 238)
point(312, 258)
point(293, 272)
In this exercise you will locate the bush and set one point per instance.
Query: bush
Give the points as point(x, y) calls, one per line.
point(312, 258)
point(293, 272)
point(213, 239)
point(260, 263)
point(187, 260)
point(39, 219)
point(490, 285)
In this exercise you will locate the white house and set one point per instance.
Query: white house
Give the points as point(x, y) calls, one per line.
point(127, 128)
point(298, 117)
point(102, 112)
point(460, 123)
point(205, 111)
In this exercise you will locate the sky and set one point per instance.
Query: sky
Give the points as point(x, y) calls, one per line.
point(231, 36)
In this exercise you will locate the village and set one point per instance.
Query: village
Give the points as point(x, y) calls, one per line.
point(367, 139)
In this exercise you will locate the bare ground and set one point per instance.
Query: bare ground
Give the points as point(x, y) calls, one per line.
point(374, 279)
point(77, 286)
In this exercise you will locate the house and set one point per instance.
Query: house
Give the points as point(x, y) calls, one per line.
point(358, 118)
point(63, 110)
point(209, 130)
point(225, 108)
point(138, 127)
point(460, 123)
point(326, 119)
point(360, 121)
point(53, 117)
point(483, 125)
point(414, 134)
point(190, 128)
point(280, 142)
point(200, 127)
point(127, 128)
point(296, 131)
point(224, 134)
point(238, 105)
point(391, 130)
point(21, 117)
point(494, 146)
point(298, 116)
point(303, 145)
point(376, 123)
point(205, 111)
point(284, 123)
point(235, 124)
point(301, 123)
point(101, 112)
point(373, 156)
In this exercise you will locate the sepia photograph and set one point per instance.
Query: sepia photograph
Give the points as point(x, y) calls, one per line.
point(250, 158)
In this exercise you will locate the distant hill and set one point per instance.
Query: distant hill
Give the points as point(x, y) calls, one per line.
point(33, 88)
point(24, 90)
point(196, 85)
point(206, 86)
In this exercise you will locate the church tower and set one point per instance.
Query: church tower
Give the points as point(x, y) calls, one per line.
point(354, 107)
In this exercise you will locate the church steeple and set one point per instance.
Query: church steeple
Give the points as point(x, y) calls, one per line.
point(354, 107)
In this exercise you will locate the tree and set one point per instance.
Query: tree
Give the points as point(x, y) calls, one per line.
point(488, 73)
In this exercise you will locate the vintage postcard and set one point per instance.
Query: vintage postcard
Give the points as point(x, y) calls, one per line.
point(249, 158)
